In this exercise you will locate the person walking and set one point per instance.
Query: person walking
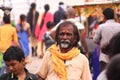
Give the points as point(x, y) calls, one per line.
point(63, 60)
point(8, 37)
point(8, 34)
point(60, 14)
point(24, 33)
point(47, 39)
point(105, 32)
point(111, 49)
point(42, 28)
point(32, 18)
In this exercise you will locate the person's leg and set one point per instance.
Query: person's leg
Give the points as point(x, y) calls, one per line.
point(95, 63)
point(33, 50)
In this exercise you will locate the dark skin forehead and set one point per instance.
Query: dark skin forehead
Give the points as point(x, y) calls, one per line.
point(67, 29)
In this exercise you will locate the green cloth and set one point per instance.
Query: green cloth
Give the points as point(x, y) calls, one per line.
point(13, 23)
point(1, 59)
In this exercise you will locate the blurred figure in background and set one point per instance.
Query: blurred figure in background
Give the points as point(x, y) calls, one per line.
point(113, 68)
point(105, 32)
point(32, 18)
point(112, 48)
point(42, 27)
point(47, 39)
point(60, 13)
point(8, 35)
point(24, 33)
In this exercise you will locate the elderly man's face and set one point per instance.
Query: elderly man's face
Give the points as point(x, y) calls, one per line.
point(66, 37)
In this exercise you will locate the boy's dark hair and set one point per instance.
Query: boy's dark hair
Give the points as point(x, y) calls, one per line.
point(6, 19)
point(22, 17)
point(108, 13)
point(50, 24)
point(13, 53)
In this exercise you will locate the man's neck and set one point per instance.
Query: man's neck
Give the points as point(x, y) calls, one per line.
point(22, 75)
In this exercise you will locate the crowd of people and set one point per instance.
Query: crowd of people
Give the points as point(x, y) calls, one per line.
point(60, 41)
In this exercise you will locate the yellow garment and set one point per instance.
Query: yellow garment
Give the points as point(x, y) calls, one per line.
point(58, 58)
point(7, 35)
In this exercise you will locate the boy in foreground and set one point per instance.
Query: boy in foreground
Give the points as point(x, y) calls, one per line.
point(15, 61)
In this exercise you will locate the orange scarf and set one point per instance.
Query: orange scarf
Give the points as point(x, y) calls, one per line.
point(58, 58)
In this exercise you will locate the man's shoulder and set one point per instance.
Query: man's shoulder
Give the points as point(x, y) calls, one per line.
point(8, 26)
point(30, 76)
point(33, 76)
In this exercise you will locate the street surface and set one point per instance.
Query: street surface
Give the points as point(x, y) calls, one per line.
point(34, 64)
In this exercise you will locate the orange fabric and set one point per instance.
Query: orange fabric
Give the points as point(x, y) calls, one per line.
point(58, 58)
point(7, 35)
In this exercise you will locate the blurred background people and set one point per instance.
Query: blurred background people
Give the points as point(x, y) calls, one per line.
point(112, 48)
point(60, 13)
point(113, 68)
point(32, 18)
point(24, 32)
point(42, 27)
point(105, 32)
point(47, 39)
point(8, 36)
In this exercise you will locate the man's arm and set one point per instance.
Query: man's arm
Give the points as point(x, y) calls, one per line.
point(83, 42)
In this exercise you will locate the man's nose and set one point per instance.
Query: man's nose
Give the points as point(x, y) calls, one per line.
point(64, 36)
point(10, 68)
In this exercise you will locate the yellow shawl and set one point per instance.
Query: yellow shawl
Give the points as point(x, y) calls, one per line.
point(58, 58)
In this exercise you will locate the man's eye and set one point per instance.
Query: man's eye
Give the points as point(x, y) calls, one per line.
point(69, 34)
point(61, 34)
point(13, 64)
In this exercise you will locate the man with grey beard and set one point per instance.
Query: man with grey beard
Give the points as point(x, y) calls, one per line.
point(63, 60)
point(71, 14)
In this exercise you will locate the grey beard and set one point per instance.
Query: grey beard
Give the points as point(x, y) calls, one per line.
point(65, 43)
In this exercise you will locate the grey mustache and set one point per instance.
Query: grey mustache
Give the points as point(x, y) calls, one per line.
point(65, 41)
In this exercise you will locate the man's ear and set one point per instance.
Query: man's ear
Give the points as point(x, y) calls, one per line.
point(23, 61)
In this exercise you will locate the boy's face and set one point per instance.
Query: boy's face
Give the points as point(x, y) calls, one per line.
point(15, 66)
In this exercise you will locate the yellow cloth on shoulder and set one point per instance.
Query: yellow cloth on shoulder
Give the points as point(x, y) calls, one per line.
point(58, 60)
